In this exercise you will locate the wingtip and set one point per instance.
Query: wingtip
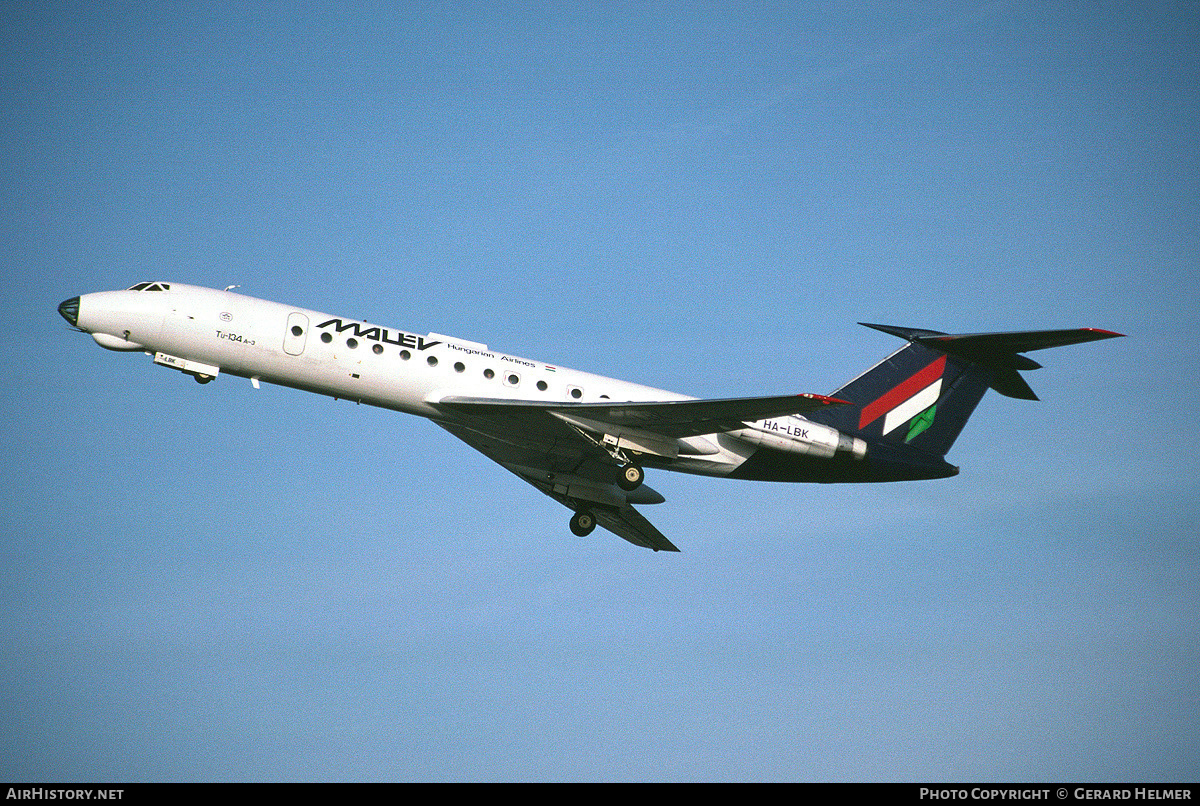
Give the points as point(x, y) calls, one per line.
point(824, 399)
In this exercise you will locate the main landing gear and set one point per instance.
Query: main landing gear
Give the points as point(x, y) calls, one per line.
point(582, 523)
point(631, 478)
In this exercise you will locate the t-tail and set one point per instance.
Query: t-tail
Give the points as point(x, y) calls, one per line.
point(922, 395)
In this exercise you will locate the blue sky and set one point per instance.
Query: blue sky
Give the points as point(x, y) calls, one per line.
point(218, 583)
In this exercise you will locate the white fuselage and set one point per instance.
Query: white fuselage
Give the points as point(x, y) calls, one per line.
point(205, 332)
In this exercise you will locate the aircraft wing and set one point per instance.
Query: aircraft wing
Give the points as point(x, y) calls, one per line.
point(566, 450)
point(669, 418)
point(630, 524)
point(543, 467)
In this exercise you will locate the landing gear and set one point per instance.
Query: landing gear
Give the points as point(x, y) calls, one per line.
point(631, 478)
point(202, 378)
point(582, 523)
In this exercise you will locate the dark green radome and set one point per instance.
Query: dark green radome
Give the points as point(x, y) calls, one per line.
point(70, 310)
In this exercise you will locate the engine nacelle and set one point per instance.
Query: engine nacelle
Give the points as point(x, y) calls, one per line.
point(797, 435)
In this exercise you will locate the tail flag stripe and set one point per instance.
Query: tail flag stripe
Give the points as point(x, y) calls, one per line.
point(902, 392)
point(921, 423)
point(910, 408)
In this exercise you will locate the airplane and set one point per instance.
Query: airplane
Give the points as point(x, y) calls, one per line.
point(583, 439)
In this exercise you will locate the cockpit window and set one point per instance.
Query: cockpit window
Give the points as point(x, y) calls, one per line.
point(151, 287)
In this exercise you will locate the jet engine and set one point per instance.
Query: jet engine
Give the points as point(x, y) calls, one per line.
point(797, 435)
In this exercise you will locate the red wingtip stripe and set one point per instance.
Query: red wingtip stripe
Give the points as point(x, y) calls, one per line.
point(825, 399)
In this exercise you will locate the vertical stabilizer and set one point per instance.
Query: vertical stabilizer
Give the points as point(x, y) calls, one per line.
point(923, 394)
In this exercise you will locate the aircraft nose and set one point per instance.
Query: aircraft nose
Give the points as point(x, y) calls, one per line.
point(70, 310)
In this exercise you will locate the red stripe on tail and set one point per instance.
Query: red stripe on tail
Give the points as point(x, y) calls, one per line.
point(901, 392)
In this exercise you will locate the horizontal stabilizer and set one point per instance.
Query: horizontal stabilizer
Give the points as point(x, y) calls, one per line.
point(999, 352)
point(1018, 341)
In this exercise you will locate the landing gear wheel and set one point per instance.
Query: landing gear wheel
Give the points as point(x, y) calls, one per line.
point(631, 478)
point(582, 523)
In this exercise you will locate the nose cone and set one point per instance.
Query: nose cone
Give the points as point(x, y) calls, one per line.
point(70, 310)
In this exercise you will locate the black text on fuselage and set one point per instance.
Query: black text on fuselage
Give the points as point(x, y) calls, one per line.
point(373, 333)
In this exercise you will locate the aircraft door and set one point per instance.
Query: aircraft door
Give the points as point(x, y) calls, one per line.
point(296, 334)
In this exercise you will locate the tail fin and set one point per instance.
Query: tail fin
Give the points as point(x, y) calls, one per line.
point(922, 394)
